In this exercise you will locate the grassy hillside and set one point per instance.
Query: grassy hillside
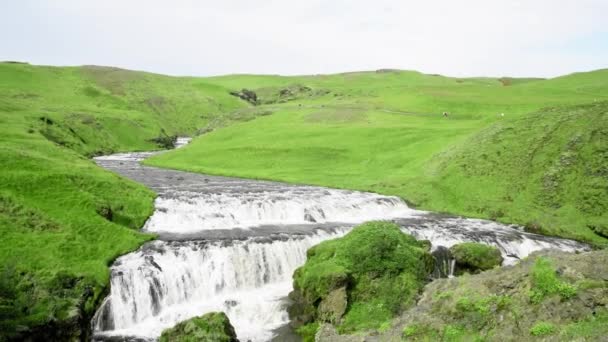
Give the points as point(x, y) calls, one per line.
point(63, 219)
point(383, 131)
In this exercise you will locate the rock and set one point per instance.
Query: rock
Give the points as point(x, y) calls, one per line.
point(444, 262)
point(375, 269)
point(475, 257)
point(332, 308)
point(496, 305)
point(247, 95)
point(214, 326)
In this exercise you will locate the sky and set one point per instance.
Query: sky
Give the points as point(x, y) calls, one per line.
point(542, 38)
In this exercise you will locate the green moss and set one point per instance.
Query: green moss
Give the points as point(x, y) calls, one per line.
point(308, 331)
point(475, 257)
point(214, 326)
point(381, 268)
point(545, 282)
point(479, 312)
point(410, 330)
point(542, 329)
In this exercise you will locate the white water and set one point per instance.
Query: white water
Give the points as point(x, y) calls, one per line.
point(194, 212)
point(165, 283)
point(514, 244)
point(182, 141)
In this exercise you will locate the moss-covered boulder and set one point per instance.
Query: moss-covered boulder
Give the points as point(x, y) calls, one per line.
point(214, 326)
point(549, 296)
point(475, 257)
point(359, 281)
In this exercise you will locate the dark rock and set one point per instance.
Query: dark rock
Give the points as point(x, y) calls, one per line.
point(444, 262)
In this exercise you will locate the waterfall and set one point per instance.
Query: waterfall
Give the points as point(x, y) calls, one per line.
point(182, 141)
point(513, 243)
point(164, 283)
point(444, 262)
point(232, 245)
point(190, 212)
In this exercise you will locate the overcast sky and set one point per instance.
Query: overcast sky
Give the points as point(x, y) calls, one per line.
point(202, 37)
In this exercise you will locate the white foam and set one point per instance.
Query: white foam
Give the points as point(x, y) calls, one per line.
point(195, 212)
point(513, 243)
point(155, 288)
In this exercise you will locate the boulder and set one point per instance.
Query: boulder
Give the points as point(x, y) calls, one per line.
point(214, 326)
point(473, 257)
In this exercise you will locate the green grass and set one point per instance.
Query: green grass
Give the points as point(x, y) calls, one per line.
point(542, 329)
point(56, 241)
point(545, 282)
point(542, 164)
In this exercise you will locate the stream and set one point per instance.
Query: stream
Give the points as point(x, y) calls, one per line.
point(232, 245)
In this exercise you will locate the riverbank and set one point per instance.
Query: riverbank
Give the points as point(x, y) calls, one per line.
point(64, 220)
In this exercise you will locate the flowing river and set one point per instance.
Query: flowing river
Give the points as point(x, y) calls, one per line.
point(231, 245)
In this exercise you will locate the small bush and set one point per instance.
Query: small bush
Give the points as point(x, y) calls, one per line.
point(542, 329)
point(410, 330)
point(308, 332)
point(545, 282)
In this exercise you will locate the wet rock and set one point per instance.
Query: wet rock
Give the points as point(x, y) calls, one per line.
point(444, 262)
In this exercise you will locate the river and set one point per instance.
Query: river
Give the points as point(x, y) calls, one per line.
point(228, 244)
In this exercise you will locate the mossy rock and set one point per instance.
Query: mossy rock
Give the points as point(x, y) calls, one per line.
point(214, 326)
point(475, 257)
point(361, 280)
point(549, 296)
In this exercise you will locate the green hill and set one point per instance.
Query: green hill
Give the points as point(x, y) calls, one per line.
point(63, 219)
point(531, 152)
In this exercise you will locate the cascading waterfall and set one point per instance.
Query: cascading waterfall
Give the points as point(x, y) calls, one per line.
point(513, 243)
point(211, 260)
point(167, 282)
point(189, 212)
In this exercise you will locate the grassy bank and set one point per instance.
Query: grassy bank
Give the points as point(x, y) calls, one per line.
point(63, 219)
point(541, 164)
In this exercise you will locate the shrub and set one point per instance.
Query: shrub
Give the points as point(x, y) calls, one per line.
point(308, 332)
point(542, 329)
point(545, 282)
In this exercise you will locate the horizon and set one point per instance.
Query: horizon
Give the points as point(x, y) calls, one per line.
point(303, 75)
point(203, 39)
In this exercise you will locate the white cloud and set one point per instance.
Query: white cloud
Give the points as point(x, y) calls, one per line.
point(467, 37)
